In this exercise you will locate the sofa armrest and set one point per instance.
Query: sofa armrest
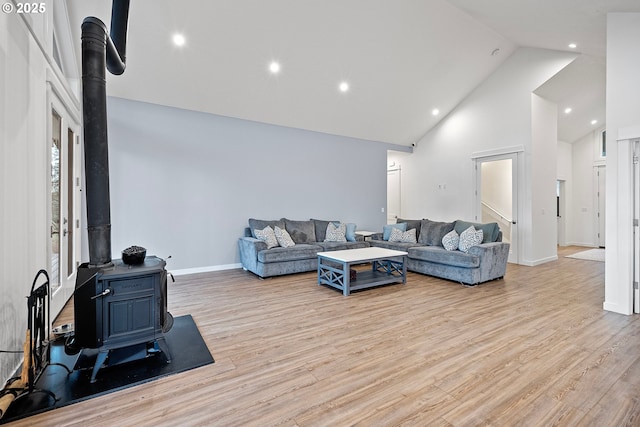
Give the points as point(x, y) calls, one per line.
point(493, 259)
point(249, 248)
point(376, 236)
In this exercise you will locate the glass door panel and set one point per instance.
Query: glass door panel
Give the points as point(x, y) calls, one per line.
point(55, 147)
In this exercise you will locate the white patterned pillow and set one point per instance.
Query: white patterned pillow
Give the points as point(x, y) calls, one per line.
point(408, 236)
point(283, 237)
point(268, 236)
point(470, 237)
point(336, 233)
point(451, 240)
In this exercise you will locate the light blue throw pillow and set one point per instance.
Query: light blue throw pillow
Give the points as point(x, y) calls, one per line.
point(386, 230)
point(351, 232)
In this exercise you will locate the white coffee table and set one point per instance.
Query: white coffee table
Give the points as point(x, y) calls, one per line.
point(388, 266)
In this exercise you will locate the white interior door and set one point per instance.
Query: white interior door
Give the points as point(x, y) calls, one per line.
point(497, 196)
point(601, 178)
point(393, 195)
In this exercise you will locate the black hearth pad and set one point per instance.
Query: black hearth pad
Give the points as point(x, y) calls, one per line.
point(188, 351)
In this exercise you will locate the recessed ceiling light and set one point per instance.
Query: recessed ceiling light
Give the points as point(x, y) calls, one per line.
point(274, 67)
point(179, 39)
point(435, 112)
point(344, 86)
point(567, 110)
point(572, 45)
point(594, 121)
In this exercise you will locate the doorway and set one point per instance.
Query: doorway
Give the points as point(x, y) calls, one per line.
point(64, 203)
point(560, 212)
point(497, 196)
point(393, 194)
point(600, 203)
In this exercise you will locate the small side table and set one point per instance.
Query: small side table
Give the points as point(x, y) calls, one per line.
point(365, 234)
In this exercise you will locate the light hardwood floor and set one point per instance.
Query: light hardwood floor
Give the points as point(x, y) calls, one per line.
point(534, 349)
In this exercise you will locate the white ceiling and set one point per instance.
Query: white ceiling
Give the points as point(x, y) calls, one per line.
point(401, 58)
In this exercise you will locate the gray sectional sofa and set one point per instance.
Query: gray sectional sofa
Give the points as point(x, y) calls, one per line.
point(309, 238)
point(482, 262)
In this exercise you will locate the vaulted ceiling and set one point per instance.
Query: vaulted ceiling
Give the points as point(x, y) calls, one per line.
point(401, 59)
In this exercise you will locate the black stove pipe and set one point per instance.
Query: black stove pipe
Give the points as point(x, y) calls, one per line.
point(100, 51)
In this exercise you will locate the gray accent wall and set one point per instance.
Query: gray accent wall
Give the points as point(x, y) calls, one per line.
point(184, 183)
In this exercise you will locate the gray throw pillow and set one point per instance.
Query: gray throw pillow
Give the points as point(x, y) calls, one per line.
point(321, 228)
point(432, 232)
point(260, 224)
point(283, 238)
point(268, 236)
point(411, 223)
point(386, 230)
point(468, 238)
point(408, 236)
point(336, 233)
point(451, 241)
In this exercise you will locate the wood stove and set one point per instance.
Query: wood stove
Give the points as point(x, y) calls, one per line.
point(122, 311)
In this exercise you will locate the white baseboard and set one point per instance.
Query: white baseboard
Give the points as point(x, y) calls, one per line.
point(585, 244)
point(206, 269)
point(539, 261)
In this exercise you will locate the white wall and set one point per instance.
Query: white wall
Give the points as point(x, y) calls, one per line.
point(564, 163)
point(496, 116)
point(623, 110)
point(544, 146)
point(185, 183)
point(24, 173)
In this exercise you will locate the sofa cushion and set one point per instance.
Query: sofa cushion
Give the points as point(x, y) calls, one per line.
point(336, 233)
point(386, 230)
point(440, 255)
point(470, 237)
point(268, 236)
point(451, 240)
point(320, 226)
point(283, 237)
point(411, 223)
point(294, 253)
point(408, 236)
point(340, 246)
point(260, 224)
point(432, 232)
point(301, 231)
point(490, 231)
point(398, 246)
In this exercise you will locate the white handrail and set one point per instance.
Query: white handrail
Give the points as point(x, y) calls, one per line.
point(496, 212)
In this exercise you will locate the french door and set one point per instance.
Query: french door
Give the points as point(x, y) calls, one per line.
point(64, 201)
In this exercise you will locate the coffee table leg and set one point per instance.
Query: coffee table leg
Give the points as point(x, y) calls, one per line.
point(404, 269)
point(346, 279)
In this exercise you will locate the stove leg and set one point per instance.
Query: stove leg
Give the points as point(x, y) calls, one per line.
point(165, 348)
point(100, 359)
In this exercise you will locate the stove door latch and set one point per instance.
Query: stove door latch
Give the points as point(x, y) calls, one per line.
point(103, 293)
